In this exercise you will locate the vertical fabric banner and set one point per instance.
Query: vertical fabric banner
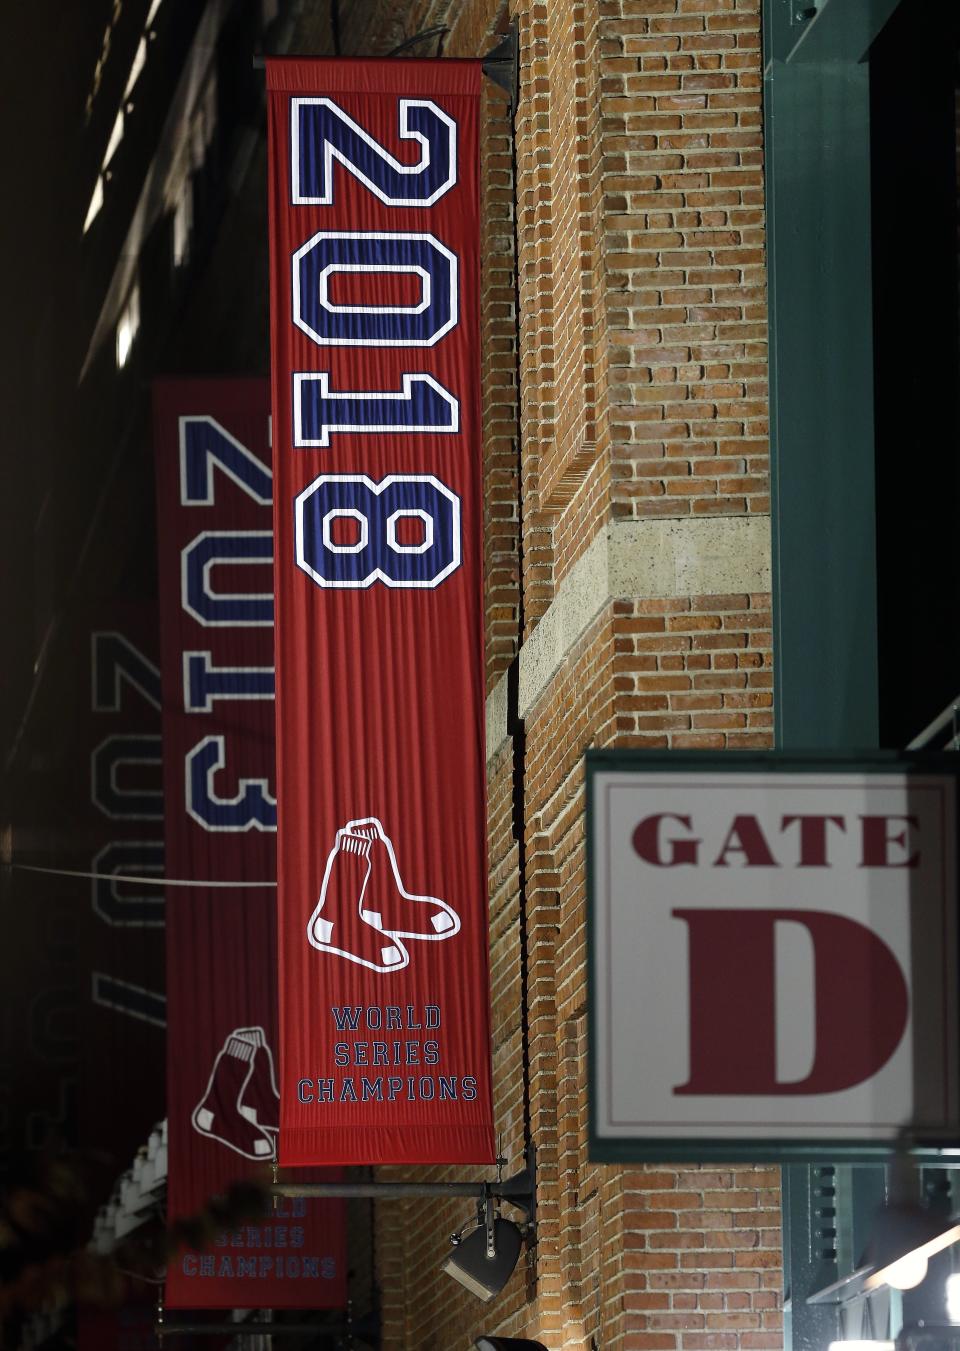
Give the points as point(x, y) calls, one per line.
point(121, 1329)
point(384, 972)
point(123, 1010)
point(214, 492)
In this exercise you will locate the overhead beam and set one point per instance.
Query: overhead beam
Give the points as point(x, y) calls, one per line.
point(810, 31)
point(821, 403)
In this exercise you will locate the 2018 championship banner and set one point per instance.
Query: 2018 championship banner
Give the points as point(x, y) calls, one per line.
point(214, 491)
point(384, 987)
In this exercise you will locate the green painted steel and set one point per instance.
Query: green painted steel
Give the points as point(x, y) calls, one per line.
point(817, 140)
point(817, 145)
point(824, 30)
point(809, 1255)
point(821, 404)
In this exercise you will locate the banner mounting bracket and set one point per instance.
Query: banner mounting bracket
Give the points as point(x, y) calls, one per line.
point(519, 1190)
point(502, 64)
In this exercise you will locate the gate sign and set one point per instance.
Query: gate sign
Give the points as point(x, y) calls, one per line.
point(384, 990)
point(773, 954)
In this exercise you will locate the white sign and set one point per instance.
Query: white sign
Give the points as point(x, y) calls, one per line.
point(773, 954)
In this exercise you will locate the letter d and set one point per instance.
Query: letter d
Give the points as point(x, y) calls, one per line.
point(860, 1002)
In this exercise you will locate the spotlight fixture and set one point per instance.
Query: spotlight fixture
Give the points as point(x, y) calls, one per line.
point(484, 1260)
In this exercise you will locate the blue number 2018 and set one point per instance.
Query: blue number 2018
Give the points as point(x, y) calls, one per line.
point(322, 133)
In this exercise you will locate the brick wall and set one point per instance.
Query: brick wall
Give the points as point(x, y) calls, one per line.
point(695, 672)
point(638, 398)
point(704, 1259)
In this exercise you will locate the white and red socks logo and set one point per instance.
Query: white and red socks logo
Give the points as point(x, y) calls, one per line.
point(365, 912)
point(240, 1108)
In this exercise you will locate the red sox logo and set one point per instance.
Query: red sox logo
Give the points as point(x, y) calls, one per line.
point(365, 912)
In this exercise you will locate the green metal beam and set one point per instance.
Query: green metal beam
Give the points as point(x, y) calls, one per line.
point(817, 138)
point(816, 31)
point(821, 403)
point(809, 1254)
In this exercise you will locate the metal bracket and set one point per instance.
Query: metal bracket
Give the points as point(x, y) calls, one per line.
point(502, 65)
point(363, 1332)
point(489, 1223)
point(439, 31)
point(255, 1328)
point(520, 1190)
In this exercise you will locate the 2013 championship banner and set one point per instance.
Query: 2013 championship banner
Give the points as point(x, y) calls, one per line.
point(384, 987)
point(214, 491)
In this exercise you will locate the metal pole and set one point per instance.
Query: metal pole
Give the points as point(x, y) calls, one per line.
point(520, 1190)
point(378, 1191)
point(164, 1330)
point(933, 729)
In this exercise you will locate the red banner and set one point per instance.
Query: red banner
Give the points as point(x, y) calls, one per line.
point(384, 986)
point(216, 611)
point(126, 1328)
point(130, 1327)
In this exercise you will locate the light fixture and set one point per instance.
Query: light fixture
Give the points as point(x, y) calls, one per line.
point(905, 1237)
point(483, 1262)
point(953, 1298)
point(96, 202)
point(128, 327)
point(512, 1344)
point(861, 1344)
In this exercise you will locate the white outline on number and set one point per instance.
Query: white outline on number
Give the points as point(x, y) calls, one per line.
point(156, 903)
point(210, 669)
point(311, 244)
point(254, 460)
point(407, 269)
point(221, 561)
point(330, 153)
point(406, 514)
point(117, 738)
point(98, 639)
point(242, 785)
point(405, 395)
point(377, 575)
point(345, 513)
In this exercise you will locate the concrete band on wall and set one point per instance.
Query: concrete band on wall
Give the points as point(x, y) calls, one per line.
point(655, 559)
